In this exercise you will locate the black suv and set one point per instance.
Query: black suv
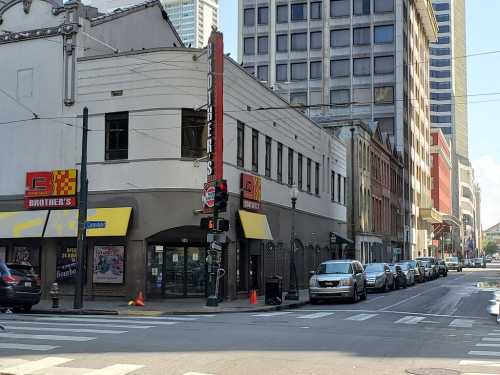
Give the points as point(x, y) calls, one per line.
point(19, 287)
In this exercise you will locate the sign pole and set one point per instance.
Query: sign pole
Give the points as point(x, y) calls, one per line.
point(82, 217)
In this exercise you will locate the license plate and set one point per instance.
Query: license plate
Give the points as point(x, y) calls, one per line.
point(327, 283)
point(27, 284)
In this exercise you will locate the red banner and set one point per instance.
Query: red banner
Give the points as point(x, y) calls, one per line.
point(51, 189)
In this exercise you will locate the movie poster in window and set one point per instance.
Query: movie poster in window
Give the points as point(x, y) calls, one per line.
point(26, 255)
point(66, 264)
point(3, 254)
point(108, 265)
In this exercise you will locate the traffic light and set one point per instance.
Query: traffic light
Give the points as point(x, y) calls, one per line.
point(221, 196)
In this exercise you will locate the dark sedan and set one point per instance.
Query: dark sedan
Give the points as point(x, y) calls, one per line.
point(19, 287)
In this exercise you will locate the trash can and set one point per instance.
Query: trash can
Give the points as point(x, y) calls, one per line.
point(274, 290)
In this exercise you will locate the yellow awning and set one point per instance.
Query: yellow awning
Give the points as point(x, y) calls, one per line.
point(431, 215)
point(63, 223)
point(255, 226)
point(22, 224)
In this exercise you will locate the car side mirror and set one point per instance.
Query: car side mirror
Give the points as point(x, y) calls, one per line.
point(312, 273)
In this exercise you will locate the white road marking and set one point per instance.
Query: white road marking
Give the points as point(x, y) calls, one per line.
point(410, 320)
point(279, 313)
point(31, 367)
point(491, 339)
point(118, 369)
point(315, 315)
point(493, 334)
point(41, 348)
point(461, 323)
point(46, 337)
point(55, 329)
point(484, 353)
point(160, 318)
point(479, 363)
point(76, 324)
point(97, 320)
point(361, 317)
point(489, 344)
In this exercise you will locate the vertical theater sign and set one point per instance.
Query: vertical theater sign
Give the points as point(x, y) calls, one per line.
point(51, 189)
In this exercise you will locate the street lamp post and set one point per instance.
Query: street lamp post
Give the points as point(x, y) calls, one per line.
point(293, 292)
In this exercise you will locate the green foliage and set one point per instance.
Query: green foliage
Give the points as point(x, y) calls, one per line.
point(490, 248)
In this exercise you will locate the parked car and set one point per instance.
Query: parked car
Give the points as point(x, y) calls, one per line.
point(418, 268)
point(409, 273)
point(468, 263)
point(454, 263)
point(338, 279)
point(399, 276)
point(379, 277)
point(430, 273)
point(433, 266)
point(479, 263)
point(19, 287)
point(489, 259)
point(442, 268)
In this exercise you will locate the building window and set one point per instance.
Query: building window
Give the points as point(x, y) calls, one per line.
point(340, 97)
point(443, 29)
point(279, 159)
point(440, 96)
point(316, 69)
point(250, 69)
point(282, 14)
point(384, 95)
point(383, 6)
point(308, 172)
point(383, 34)
point(361, 7)
point(298, 71)
point(117, 135)
point(263, 73)
point(262, 43)
point(443, 17)
point(282, 72)
point(333, 186)
point(316, 180)
point(361, 96)
point(361, 36)
point(316, 40)
point(299, 12)
point(339, 187)
point(361, 66)
point(440, 62)
point(441, 6)
point(384, 64)
point(249, 46)
point(298, 98)
point(339, 38)
point(262, 15)
point(345, 190)
point(255, 151)
point(240, 148)
point(440, 51)
point(282, 43)
point(290, 167)
point(443, 40)
point(441, 119)
point(299, 42)
point(441, 107)
point(440, 74)
point(340, 68)
point(386, 125)
point(268, 157)
point(249, 17)
point(339, 8)
point(300, 168)
point(315, 10)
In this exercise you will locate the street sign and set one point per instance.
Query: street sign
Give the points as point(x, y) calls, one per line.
point(216, 246)
point(217, 237)
point(333, 238)
point(208, 196)
point(95, 225)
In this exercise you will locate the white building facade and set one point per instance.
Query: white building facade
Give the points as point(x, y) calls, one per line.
point(146, 151)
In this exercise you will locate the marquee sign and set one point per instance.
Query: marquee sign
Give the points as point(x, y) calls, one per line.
point(251, 192)
point(52, 189)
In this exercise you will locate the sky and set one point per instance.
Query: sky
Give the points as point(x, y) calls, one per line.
point(483, 78)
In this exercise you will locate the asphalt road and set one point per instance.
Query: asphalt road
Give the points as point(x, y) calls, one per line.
point(437, 328)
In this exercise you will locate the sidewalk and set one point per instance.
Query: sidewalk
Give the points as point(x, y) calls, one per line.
point(181, 306)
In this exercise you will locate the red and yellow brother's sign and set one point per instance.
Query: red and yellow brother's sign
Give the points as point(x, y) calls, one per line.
point(52, 189)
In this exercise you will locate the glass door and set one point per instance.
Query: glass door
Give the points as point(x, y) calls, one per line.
point(175, 275)
point(195, 272)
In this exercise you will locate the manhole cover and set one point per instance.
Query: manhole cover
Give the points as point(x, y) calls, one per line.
point(432, 371)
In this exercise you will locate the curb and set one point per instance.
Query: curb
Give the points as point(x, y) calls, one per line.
point(72, 312)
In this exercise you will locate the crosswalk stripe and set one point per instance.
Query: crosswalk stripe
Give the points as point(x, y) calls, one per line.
point(315, 316)
point(31, 367)
point(484, 353)
point(118, 369)
point(97, 320)
point(361, 317)
point(56, 329)
point(410, 320)
point(490, 339)
point(461, 323)
point(46, 337)
point(489, 344)
point(41, 348)
point(78, 324)
point(493, 334)
point(479, 363)
point(159, 318)
point(279, 313)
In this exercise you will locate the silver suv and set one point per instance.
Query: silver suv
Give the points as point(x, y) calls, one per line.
point(338, 279)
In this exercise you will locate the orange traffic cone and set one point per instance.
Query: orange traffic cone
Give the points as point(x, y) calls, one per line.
point(253, 297)
point(139, 300)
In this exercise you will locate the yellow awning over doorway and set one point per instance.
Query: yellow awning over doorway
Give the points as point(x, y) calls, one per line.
point(255, 226)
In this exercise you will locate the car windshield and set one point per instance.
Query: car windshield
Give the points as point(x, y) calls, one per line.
point(392, 267)
point(404, 266)
point(453, 260)
point(374, 267)
point(426, 263)
point(334, 268)
point(412, 263)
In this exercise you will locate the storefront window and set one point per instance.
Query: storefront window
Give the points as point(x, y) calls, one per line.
point(108, 265)
point(26, 255)
point(66, 264)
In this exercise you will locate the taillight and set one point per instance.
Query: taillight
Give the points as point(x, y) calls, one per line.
point(11, 280)
point(37, 280)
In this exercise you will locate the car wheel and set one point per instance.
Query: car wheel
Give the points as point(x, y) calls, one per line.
point(405, 285)
point(386, 287)
point(364, 296)
point(27, 308)
point(313, 301)
point(355, 296)
point(17, 309)
point(445, 274)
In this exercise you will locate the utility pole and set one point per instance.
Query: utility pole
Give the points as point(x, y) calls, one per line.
point(353, 209)
point(81, 247)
